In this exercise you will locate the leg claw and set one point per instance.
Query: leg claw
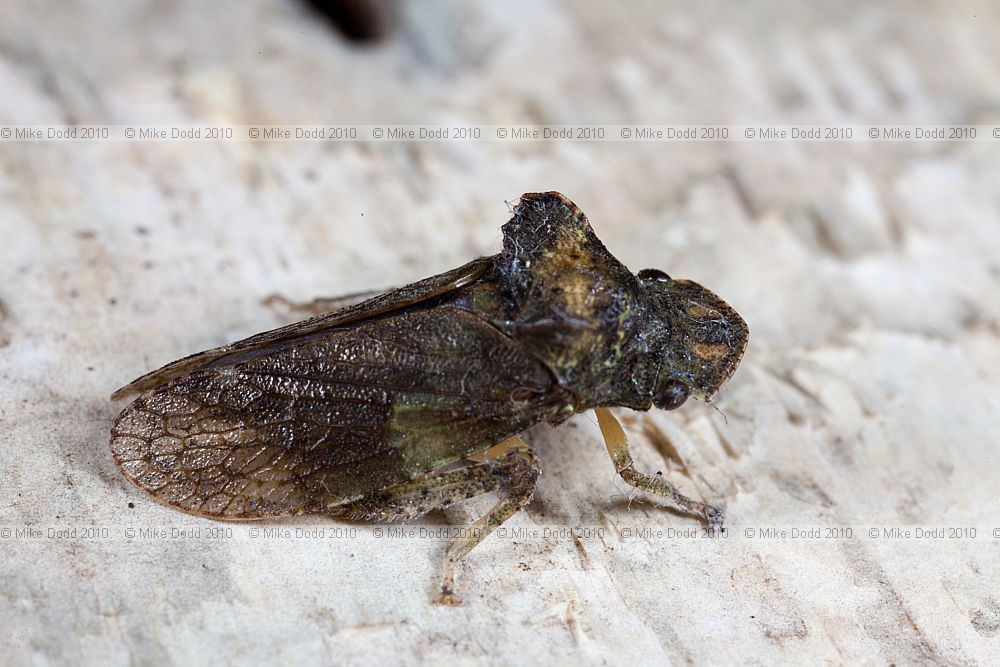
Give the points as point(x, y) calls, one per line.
point(447, 599)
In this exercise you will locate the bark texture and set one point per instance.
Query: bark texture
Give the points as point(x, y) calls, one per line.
point(869, 274)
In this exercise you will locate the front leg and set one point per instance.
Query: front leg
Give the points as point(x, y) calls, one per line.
point(614, 439)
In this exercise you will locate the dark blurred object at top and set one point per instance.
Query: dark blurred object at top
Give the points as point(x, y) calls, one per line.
point(359, 20)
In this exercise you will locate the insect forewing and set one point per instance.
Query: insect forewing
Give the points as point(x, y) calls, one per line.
point(334, 418)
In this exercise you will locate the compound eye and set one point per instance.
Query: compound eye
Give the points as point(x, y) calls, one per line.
point(654, 275)
point(671, 396)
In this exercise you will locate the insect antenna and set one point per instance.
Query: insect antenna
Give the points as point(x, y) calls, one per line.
point(716, 408)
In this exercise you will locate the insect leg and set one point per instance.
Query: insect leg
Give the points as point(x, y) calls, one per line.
point(515, 471)
point(614, 439)
point(321, 305)
point(518, 476)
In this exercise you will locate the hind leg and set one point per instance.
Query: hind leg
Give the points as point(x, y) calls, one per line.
point(321, 305)
point(514, 472)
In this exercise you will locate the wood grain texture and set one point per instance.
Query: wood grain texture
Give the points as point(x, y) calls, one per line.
point(869, 274)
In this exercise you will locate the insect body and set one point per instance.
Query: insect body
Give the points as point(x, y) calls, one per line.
point(382, 410)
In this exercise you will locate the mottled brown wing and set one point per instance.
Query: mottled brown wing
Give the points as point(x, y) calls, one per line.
point(387, 302)
point(334, 418)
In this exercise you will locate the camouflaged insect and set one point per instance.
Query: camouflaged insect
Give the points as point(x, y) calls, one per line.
point(384, 409)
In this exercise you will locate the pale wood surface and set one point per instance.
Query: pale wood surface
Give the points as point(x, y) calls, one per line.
point(869, 274)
